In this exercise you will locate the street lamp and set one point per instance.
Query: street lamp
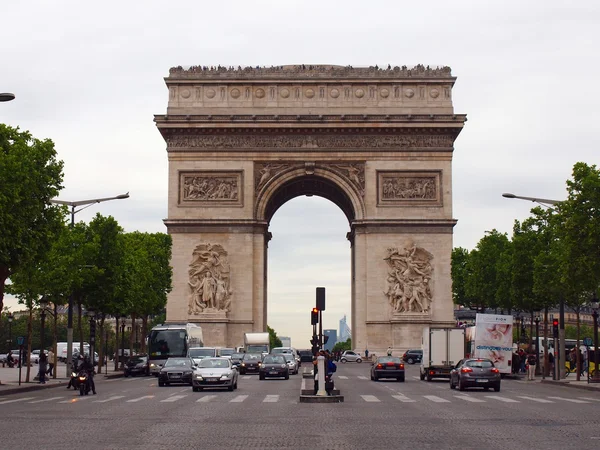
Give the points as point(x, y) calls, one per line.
point(74, 205)
point(43, 306)
point(537, 345)
point(561, 334)
point(92, 315)
point(10, 318)
point(6, 97)
point(596, 377)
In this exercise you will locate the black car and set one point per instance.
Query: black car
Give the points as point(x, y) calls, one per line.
point(387, 367)
point(137, 365)
point(274, 366)
point(176, 370)
point(250, 363)
point(306, 356)
point(475, 373)
point(236, 359)
point(412, 356)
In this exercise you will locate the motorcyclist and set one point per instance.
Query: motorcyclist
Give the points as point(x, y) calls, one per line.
point(10, 360)
point(75, 364)
point(89, 368)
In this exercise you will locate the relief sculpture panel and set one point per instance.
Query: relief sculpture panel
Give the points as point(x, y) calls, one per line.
point(209, 281)
point(214, 188)
point(408, 283)
point(400, 188)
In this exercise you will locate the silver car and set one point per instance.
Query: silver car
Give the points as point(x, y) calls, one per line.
point(292, 364)
point(349, 356)
point(214, 373)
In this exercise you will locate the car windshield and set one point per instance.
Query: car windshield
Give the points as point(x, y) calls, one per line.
point(252, 357)
point(226, 352)
point(272, 359)
point(289, 357)
point(167, 343)
point(281, 350)
point(214, 364)
point(237, 355)
point(138, 359)
point(178, 362)
point(201, 352)
point(387, 359)
point(483, 364)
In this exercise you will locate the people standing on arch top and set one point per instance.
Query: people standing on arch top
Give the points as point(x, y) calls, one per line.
point(389, 351)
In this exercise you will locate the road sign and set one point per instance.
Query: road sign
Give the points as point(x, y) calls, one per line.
point(20, 340)
point(587, 341)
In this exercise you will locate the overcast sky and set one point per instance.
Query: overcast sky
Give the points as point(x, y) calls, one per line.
point(90, 77)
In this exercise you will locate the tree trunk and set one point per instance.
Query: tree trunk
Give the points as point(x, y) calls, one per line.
point(144, 333)
point(531, 333)
point(79, 326)
point(577, 347)
point(131, 334)
point(28, 349)
point(101, 349)
point(117, 343)
point(546, 367)
point(54, 339)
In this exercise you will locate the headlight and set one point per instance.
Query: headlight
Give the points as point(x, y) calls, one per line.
point(283, 366)
point(73, 374)
point(198, 377)
point(243, 364)
point(152, 365)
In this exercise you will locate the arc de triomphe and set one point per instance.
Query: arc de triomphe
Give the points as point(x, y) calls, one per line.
point(376, 142)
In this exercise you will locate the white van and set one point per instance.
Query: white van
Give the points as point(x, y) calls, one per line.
point(61, 350)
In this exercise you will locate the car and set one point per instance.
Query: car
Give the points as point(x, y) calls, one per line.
point(306, 356)
point(274, 366)
point(137, 365)
point(35, 356)
point(215, 373)
point(413, 356)
point(387, 367)
point(176, 370)
point(236, 359)
point(292, 350)
point(350, 356)
point(292, 363)
point(474, 372)
point(251, 362)
point(225, 352)
point(199, 353)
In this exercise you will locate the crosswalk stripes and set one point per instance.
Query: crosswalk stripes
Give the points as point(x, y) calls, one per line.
point(24, 399)
point(502, 399)
point(436, 399)
point(173, 398)
point(109, 399)
point(343, 377)
point(46, 400)
point(206, 398)
point(271, 399)
point(140, 398)
point(403, 398)
point(534, 399)
point(572, 400)
point(370, 398)
point(238, 399)
point(75, 400)
point(362, 378)
point(469, 399)
point(590, 399)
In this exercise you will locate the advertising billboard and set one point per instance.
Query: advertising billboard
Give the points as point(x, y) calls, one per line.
point(494, 339)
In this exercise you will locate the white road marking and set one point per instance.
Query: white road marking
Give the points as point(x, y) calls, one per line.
point(76, 399)
point(469, 399)
point(303, 384)
point(24, 399)
point(436, 399)
point(370, 398)
point(109, 399)
point(533, 399)
point(271, 399)
point(343, 377)
point(238, 399)
point(140, 398)
point(362, 378)
point(590, 399)
point(503, 399)
point(206, 399)
point(404, 399)
point(246, 377)
point(572, 400)
point(173, 398)
point(46, 400)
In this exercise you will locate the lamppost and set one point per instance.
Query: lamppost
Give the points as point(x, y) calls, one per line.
point(74, 205)
point(123, 341)
point(10, 318)
point(6, 97)
point(43, 305)
point(518, 320)
point(537, 345)
point(558, 359)
point(596, 377)
point(92, 316)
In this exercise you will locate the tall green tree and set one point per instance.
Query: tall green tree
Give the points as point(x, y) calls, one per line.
point(274, 341)
point(460, 274)
point(30, 176)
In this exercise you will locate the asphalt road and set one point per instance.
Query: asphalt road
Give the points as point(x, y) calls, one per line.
point(133, 413)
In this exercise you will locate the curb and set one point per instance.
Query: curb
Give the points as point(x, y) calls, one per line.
point(322, 399)
point(114, 375)
point(583, 387)
point(29, 387)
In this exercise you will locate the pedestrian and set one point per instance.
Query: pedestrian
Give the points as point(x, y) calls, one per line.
point(389, 351)
point(43, 367)
point(531, 362)
point(523, 360)
point(551, 362)
point(366, 353)
point(50, 363)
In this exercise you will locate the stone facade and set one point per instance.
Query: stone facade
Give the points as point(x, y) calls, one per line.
point(377, 142)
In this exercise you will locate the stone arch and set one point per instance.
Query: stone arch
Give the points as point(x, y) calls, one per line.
point(322, 182)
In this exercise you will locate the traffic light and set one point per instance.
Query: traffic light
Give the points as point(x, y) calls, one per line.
point(325, 339)
point(321, 298)
point(314, 316)
point(555, 328)
point(314, 340)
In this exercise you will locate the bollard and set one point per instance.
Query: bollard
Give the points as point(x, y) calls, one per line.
point(321, 376)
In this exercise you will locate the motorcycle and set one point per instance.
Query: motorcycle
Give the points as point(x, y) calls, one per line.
point(11, 363)
point(84, 385)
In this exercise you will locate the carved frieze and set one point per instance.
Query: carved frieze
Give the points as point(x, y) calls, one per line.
point(354, 173)
point(249, 142)
point(409, 279)
point(209, 280)
point(398, 188)
point(200, 188)
point(265, 172)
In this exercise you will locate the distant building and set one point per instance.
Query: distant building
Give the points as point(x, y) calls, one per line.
point(332, 339)
point(345, 332)
point(285, 341)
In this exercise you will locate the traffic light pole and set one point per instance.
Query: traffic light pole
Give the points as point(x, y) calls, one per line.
point(320, 330)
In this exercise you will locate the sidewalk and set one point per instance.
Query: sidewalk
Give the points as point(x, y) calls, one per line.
point(9, 379)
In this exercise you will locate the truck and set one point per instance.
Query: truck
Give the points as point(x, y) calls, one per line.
point(492, 338)
point(171, 340)
point(442, 348)
point(257, 343)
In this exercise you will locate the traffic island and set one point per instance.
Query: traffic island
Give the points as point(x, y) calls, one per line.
point(307, 375)
point(321, 398)
point(311, 392)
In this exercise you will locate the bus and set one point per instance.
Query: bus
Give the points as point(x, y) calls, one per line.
point(171, 340)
